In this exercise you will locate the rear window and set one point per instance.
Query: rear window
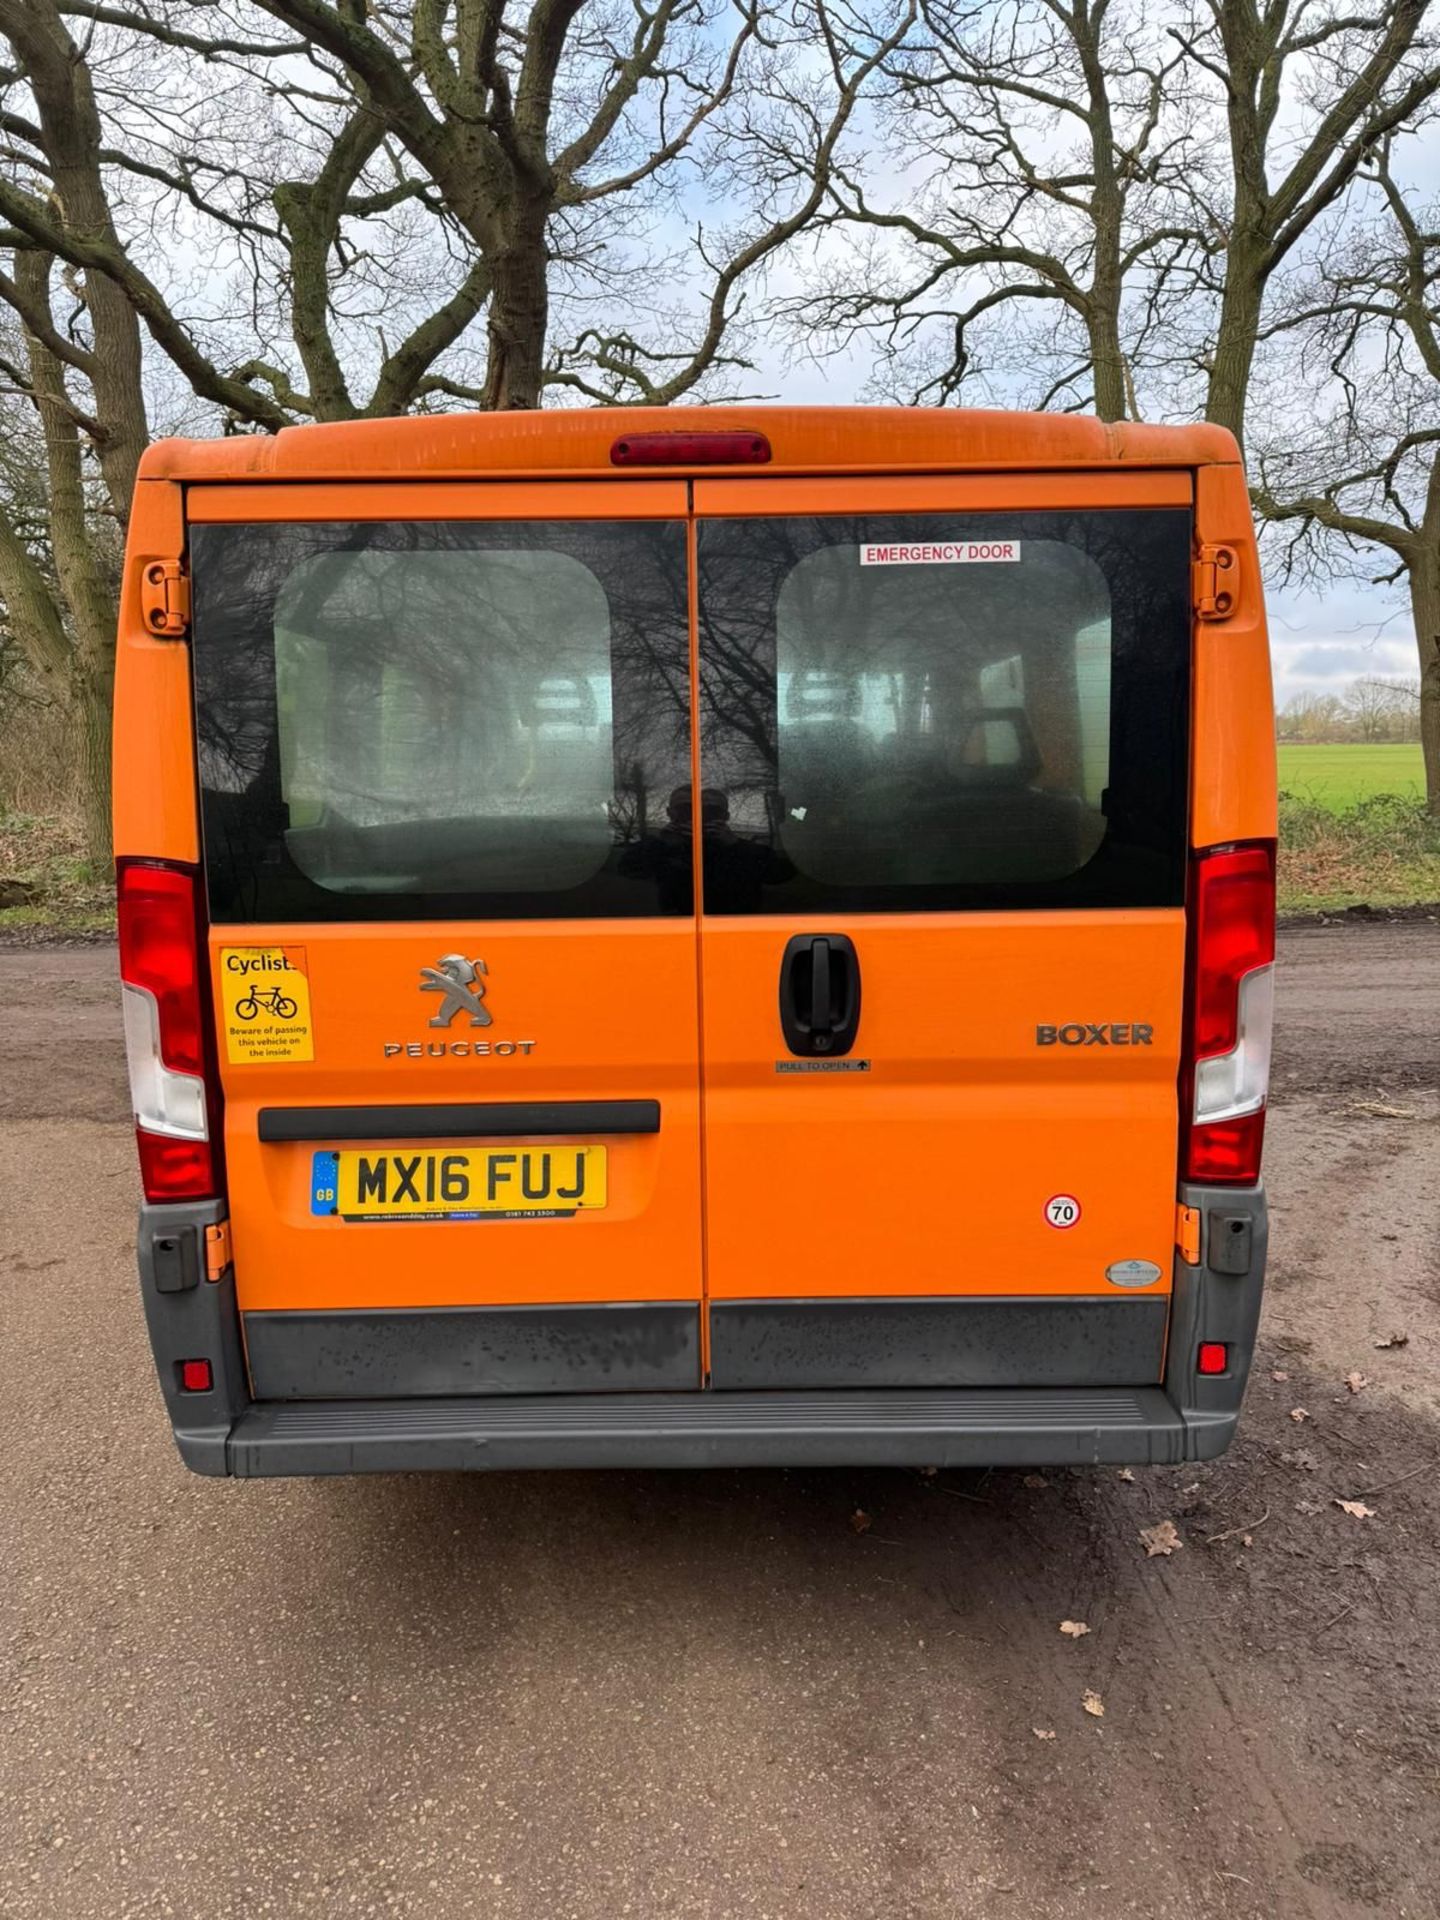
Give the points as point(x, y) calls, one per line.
point(440, 719)
point(947, 711)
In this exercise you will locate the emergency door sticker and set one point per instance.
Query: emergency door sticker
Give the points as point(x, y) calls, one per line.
point(936, 553)
point(265, 1004)
point(1062, 1210)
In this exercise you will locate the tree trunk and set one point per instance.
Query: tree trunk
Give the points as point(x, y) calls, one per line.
point(1106, 355)
point(1236, 336)
point(64, 94)
point(517, 321)
point(1425, 607)
point(90, 593)
point(91, 697)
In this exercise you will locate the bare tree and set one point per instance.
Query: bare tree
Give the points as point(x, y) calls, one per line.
point(1355, 77)
point(1105, 160)
point(543, 145)
point(1045, 148)
point(336, 211)
point(1366, 474)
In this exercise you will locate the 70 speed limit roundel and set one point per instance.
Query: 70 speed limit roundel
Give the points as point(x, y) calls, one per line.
point(1062, 1210)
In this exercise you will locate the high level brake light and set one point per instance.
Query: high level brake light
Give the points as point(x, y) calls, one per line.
point(160, 973)
point(1231, 1010)
point(725, 448)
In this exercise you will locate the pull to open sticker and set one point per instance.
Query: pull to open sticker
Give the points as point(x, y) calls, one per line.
point(937, 553)
point(265, 1004)
point(1062, 1210)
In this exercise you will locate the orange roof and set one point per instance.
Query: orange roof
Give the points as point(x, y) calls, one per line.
point(576, 441)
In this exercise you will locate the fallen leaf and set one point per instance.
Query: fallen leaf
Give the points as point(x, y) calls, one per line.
point(1357, 1509)
point(1126, 1474)
point(1393, 1340)
point(1356, 1381)
point(1302, 1458)
point(1246, 1540)
point(928, 1473)
point(1092, 1703)
point(1043, 1733)
point(1298, 1413)
point(1279, 1374)
point(860, 1521)
point(1308, 1506)
point(1161, 1538)
point(1035, 1480)
point(1074, 1628)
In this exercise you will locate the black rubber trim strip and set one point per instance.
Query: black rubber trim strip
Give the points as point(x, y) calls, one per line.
point(498, 1120)
point(379, 1353)
point(963, 1340)
point(1087, 1427)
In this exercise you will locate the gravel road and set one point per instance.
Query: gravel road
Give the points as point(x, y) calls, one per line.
point(590, 1696)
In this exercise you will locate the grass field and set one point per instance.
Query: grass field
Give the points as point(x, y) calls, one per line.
point(1336, 777)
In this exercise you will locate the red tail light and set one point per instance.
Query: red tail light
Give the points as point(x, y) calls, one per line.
point(172, 1085)
point(1230, 1014)
point(690, 450)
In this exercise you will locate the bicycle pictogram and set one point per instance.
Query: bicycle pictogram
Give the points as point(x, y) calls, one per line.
point(265, 1000)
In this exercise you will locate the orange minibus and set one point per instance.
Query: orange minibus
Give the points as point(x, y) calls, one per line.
point(697, 937)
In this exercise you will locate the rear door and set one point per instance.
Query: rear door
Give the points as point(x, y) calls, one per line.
point(943, 744)
point(445, 754)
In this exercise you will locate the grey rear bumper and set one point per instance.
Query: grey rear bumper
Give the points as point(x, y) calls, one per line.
point(1183, 1417)
point(1092, 1426)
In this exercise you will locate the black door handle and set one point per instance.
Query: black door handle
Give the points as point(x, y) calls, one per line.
point(820, 994)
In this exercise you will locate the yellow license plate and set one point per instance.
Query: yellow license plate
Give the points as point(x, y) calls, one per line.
point(481, 1183)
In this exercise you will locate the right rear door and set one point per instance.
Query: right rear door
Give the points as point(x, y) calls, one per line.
point(943, 753)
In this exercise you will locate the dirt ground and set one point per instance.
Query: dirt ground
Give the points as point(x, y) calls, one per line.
point(589, 1696)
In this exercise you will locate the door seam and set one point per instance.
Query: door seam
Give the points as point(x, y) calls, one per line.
point(692, 615)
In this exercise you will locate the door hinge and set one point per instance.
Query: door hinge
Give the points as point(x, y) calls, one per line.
point(1187, 1234)
point(217, 1251)
point(165, 599)
point(1216, 582)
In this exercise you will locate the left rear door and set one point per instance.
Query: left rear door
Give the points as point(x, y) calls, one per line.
point(444, 749)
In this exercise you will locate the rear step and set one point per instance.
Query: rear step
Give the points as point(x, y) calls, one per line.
point(947, 1427)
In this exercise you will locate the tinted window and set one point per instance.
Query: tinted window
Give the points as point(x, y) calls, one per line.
point(441, 719)
point(931, 713)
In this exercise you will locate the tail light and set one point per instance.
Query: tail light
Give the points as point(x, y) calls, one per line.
point(1231, 1010)
point(171, 1082)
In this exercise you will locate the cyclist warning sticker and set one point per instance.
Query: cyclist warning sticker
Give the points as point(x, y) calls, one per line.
point(265, 1004)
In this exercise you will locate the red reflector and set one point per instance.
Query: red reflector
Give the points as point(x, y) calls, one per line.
point(1213, 1357)
point(690, 450)
point(195, 1376)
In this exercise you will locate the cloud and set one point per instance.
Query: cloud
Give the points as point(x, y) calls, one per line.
point(1320, 639)
point(1329, 662)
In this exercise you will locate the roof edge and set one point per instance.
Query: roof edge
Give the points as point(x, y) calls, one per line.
point(836, 439)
